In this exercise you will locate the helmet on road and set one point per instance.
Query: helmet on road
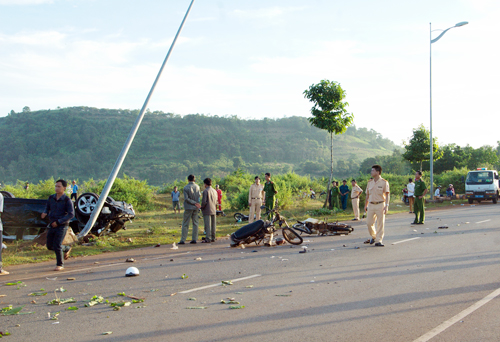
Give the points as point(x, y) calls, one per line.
point(131, 272)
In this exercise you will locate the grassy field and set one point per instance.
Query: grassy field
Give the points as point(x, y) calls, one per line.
point(163, 226)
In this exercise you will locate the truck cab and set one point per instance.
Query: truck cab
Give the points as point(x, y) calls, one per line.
point(482, 185)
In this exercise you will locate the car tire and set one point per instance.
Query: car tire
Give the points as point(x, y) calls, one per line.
point(7, 194)
point(86, 203)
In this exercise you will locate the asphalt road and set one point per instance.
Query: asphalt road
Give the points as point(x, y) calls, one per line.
point(428, 283)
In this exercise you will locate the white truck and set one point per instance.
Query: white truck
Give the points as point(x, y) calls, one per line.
point(482, 185)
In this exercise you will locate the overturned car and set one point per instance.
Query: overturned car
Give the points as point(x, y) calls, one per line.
point(21, 216)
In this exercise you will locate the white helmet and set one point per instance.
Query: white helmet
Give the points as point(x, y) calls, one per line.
point(131, 272)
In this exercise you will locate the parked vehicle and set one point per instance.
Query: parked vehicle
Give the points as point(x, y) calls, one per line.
point(482, 185)
point(261, 230)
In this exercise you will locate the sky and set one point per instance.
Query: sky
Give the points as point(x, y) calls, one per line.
point(255, 58)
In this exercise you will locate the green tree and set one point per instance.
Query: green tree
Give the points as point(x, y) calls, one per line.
point(417, 149)
point(329, 113)
point(26, 109)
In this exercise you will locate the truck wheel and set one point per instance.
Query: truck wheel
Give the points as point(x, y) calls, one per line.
point(495, 200)
point(470, 201)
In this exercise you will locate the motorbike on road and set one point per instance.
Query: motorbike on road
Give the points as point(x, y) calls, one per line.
point(261, 230)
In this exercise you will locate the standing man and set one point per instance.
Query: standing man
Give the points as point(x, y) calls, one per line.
point(378, 196)
point(219, 196)
point(344, 192)
point(2, 271)
point(255, 196)
point(74, 190)
point(175, 199)
point(270, 190)
point(209, 210)
point(355, 193)
point(420, 192)
point(191, 206)
point(60, 210)
point(335, 192)
point(411, 193)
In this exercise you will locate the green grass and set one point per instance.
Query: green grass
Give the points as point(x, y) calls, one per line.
point(163, 226)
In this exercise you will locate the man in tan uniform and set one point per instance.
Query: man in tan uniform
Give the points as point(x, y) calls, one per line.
point(255, 196)
point(378, 196)
point(355, 193)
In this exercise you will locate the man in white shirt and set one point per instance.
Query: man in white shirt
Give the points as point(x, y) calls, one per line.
point(437, 193)
point(411, 194)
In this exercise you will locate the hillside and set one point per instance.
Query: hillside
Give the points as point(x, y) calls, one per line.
point(84, 142)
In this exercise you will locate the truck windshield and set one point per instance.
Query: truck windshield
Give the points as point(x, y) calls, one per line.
point(485, 177)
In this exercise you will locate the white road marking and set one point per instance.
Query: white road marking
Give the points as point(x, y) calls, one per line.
point(483, 221)
point(94, 267)
point(446, 324)
point(220, 284)
point(394, 243)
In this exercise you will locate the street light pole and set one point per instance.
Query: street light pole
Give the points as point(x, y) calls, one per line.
point(462, 23)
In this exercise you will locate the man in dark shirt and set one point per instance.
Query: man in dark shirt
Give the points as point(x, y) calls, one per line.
point(60, 211)
point(344, 192)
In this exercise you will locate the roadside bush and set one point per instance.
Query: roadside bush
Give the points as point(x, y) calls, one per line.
point(133, 191)
point(42, 190)
point(452, 177)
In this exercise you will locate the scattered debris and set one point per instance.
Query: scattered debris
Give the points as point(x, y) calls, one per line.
point(238, 293)
point(60, 301)
point(71, 279)
point(196, 307)
point(96, 262)
point(8, 311)
point(130, 260)
point(129, 240)
point(38, 294)
point(158, 245)
point(56, 322)
point(120, 304)
point(13, 284)
point(344, 245)
point(443, 227)
point(121, 294)
point(184, 276)
point(229, 301)
point(249, 286)
point(227, 282)
point(174, 246)
point(237, 307)
point(94, 301)
point(191, 298)
point(283, 295)
point(357, 247)
point(72, 308)
point(199, 258)
point(137, 298)
point(107, 333)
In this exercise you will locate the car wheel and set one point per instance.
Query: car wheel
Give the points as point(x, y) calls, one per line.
point(86, 203)
point(7, 194)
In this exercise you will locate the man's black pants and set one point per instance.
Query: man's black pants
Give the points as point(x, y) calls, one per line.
point(55, 237)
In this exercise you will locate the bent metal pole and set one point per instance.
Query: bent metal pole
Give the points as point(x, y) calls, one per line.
point(131, 136)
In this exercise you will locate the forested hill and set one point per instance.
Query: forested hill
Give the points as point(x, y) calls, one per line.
point(83, 142)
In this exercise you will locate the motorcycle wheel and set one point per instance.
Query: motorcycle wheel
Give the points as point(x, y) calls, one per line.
point(239, 217)
point(301, 228)
point(291, 236)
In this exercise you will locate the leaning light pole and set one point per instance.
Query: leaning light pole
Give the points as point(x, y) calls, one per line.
point(111, 179)
point(462, 23)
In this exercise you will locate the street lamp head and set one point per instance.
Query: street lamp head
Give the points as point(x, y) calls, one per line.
point(462, 23)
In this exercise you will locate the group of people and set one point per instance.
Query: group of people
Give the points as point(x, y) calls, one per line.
point(211, 199)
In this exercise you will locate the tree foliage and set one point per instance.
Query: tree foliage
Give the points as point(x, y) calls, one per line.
point(417, 150)
point(83, 142)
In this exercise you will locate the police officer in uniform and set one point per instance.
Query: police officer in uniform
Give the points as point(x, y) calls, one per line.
point(419, 193)
point(378, 196)
point(335, 193)
point(270, 190)
point(255, 196)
